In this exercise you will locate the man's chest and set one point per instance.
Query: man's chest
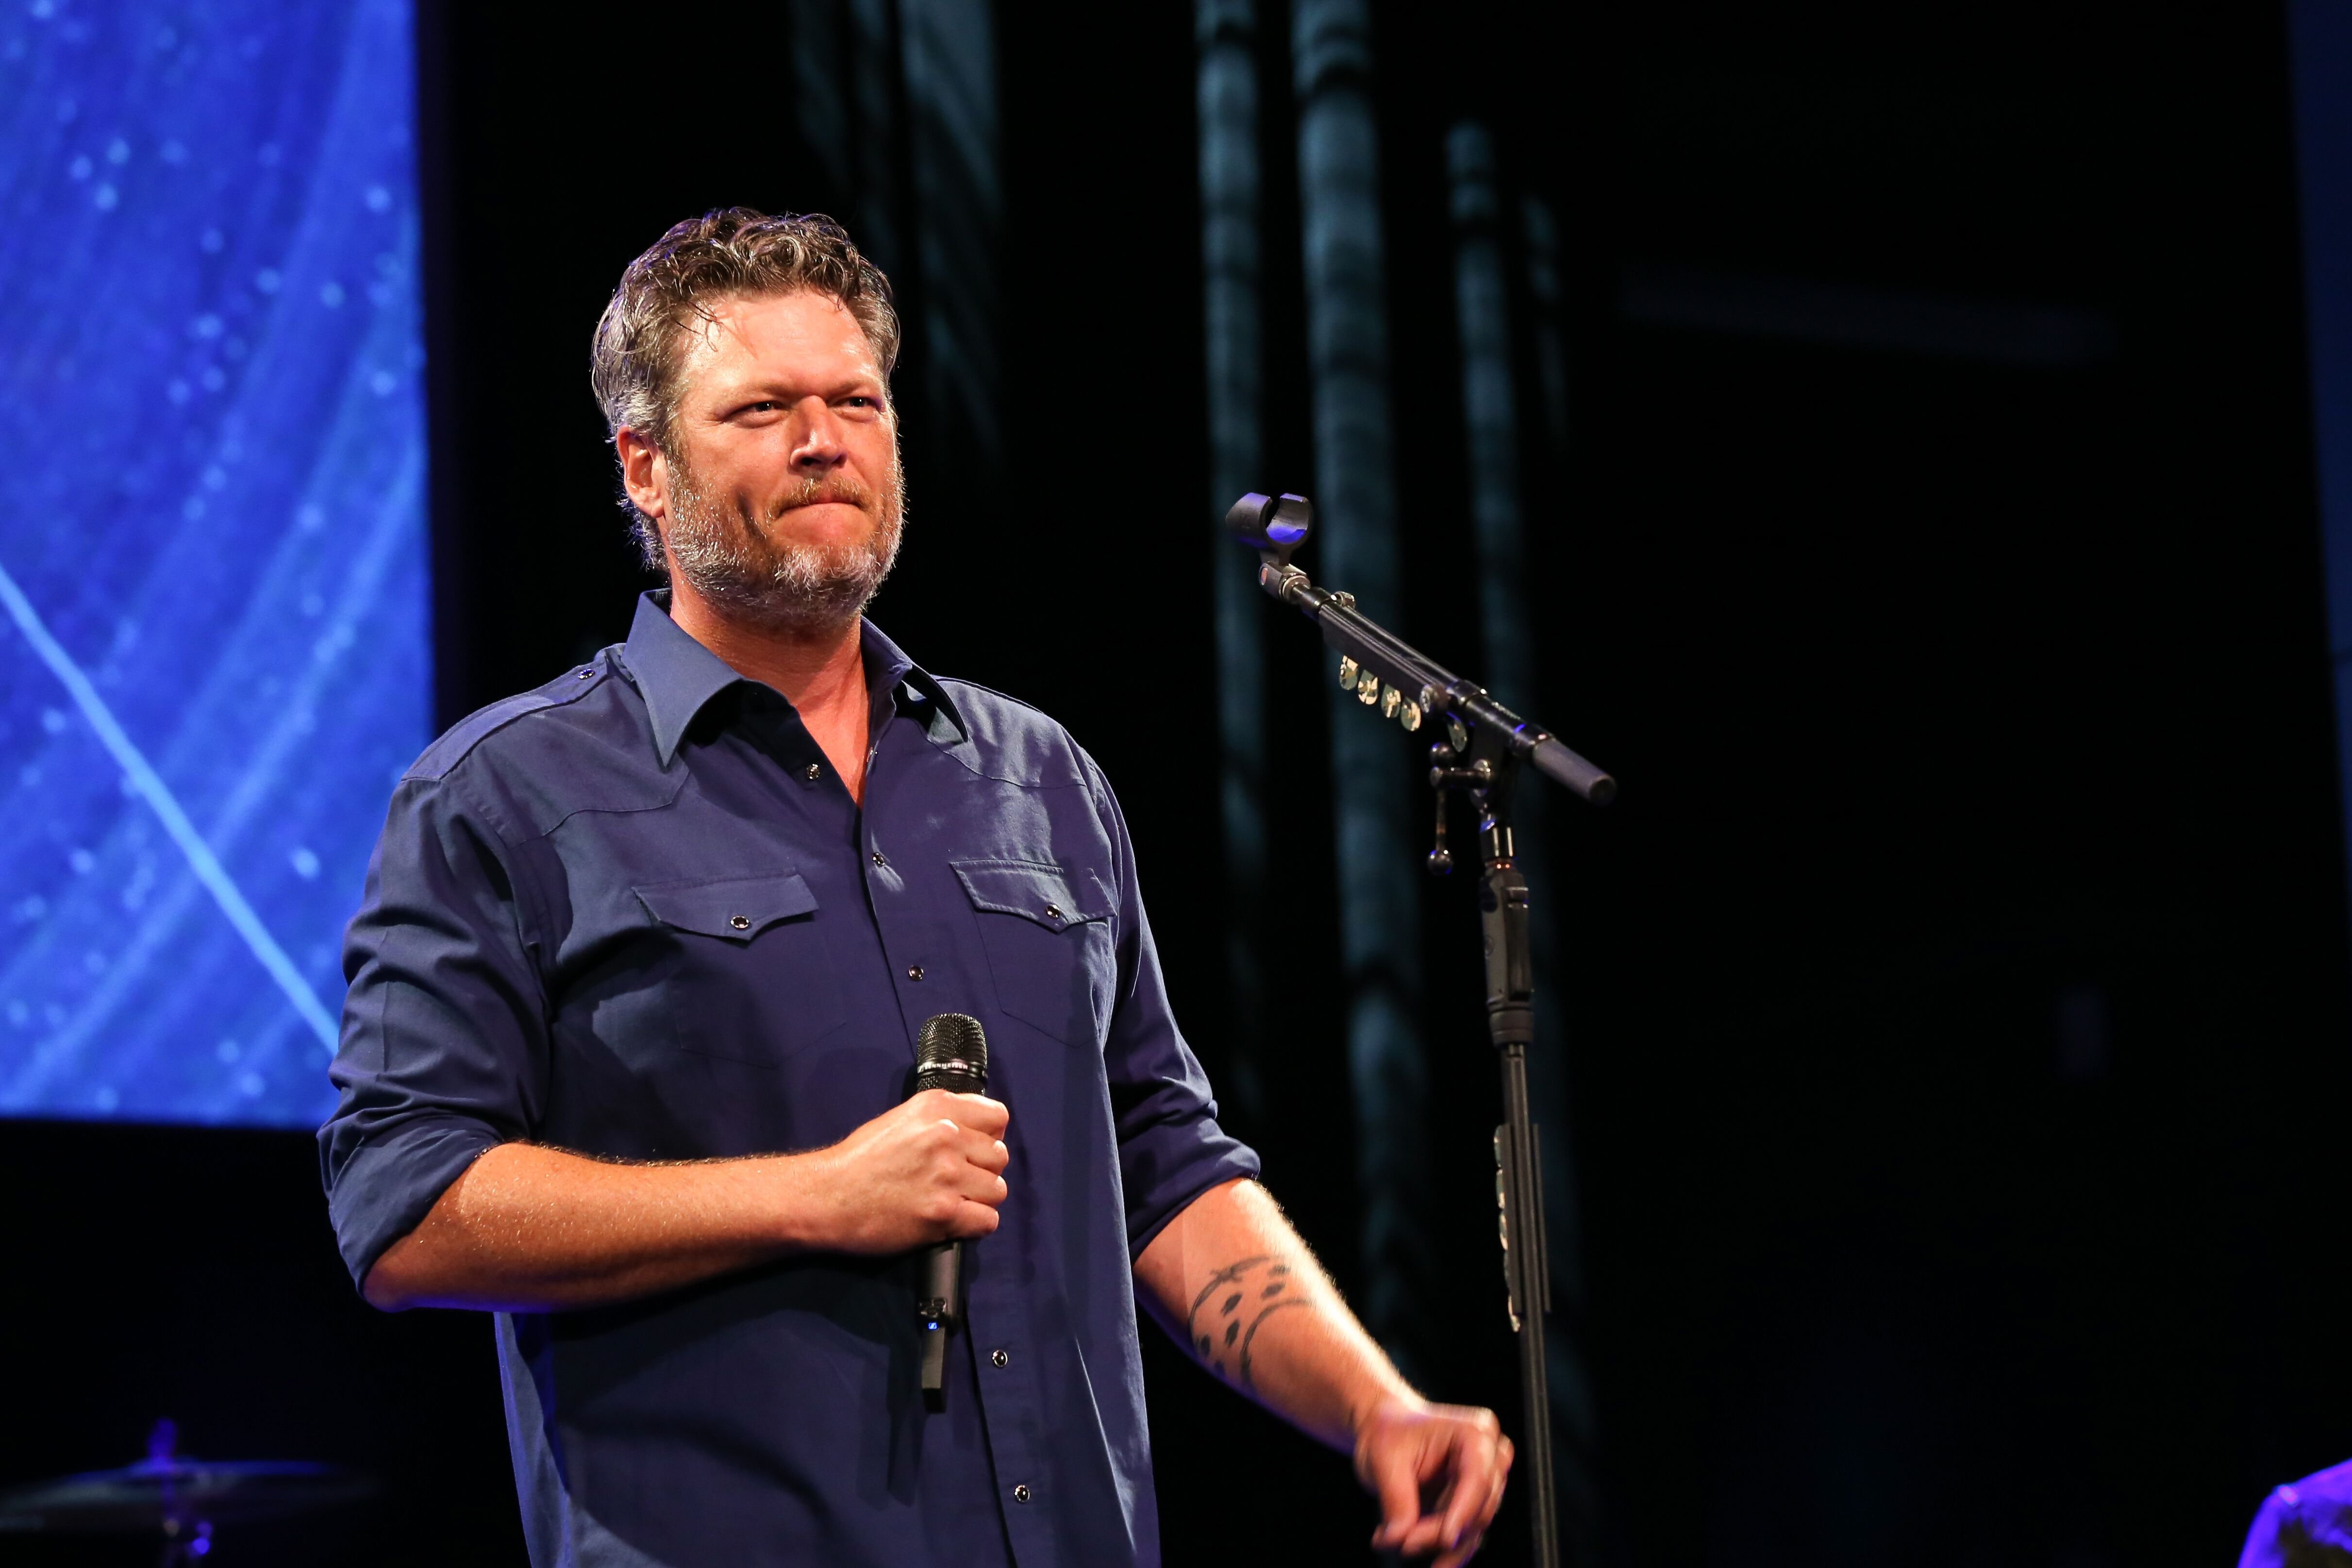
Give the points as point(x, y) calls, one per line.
point(745, 966)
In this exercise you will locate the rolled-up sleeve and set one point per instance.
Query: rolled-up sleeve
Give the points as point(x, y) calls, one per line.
point(444, 1047)
point(1170, 1147)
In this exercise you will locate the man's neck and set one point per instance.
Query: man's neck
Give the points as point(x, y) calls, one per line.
point(821, 672)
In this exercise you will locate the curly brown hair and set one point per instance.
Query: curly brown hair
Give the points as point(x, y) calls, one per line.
point(635, 357)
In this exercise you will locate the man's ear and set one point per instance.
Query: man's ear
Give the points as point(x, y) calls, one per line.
point(644, 474)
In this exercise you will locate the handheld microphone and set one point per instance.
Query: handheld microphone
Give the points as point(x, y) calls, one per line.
point(950, 1053)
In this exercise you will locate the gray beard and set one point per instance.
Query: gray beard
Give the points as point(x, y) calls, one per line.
point(782, 584)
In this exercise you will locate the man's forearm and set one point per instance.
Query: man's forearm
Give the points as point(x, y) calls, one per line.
point(528, 1228)
point(1230, 1278)
point(1251, 1302)
point(534, 1230)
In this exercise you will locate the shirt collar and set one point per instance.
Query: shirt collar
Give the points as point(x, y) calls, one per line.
point(678, 676)
point(888, 669)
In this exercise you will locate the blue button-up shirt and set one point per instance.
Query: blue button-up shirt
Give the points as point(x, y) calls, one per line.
point(637, 915)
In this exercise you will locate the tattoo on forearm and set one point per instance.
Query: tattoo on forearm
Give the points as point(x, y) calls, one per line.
point(1231, 1308)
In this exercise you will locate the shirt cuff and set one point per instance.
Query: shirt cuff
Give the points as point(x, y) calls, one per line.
point(1156, 1199)
point(385, 1190)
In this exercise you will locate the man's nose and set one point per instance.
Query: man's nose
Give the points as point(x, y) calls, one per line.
point(818, 444)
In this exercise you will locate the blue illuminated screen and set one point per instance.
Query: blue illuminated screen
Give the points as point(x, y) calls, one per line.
point(214, 654)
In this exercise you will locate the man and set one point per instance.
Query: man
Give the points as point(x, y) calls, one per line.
point(632, 997)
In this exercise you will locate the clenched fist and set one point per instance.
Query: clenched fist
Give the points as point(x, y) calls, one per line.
point(930, 1169)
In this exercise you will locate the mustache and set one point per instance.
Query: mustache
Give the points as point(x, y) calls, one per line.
point(815, 491)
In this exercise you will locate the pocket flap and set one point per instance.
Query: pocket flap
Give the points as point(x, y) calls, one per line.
point(736, 908)
point(1052, 896)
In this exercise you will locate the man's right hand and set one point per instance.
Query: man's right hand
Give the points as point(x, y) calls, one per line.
point(930, 1169)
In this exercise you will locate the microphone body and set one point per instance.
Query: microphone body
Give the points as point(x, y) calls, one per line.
point(950, 1053)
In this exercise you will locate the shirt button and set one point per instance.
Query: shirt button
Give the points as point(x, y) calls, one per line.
point(740, 923)
point(1021, 1494)
point(878, 859)
point(914, 972)
point(812, 772)
point(997, 1358)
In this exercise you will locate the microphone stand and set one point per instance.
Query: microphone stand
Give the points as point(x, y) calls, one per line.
point(1477, 752)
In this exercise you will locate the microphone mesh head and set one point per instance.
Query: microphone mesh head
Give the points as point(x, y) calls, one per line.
point(952, 1053)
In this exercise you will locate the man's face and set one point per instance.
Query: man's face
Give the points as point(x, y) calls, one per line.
point(780, 502)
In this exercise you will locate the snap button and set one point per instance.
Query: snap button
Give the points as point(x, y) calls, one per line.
point(1053, 911)
point(586, 673)
point(997, 1358)
point(812, 772)
point(740, 923)
point(878, 859)
point(1021, 1494)
point(914, 972)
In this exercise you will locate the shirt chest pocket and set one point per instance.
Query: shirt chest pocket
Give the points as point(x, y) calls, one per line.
point(1046, 932)
point(744, 965)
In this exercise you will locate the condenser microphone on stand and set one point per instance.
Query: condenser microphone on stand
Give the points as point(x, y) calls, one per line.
point(950, 1053)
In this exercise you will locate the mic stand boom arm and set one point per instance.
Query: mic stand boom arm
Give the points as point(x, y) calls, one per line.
point(1482, 744)
point(1382, 668)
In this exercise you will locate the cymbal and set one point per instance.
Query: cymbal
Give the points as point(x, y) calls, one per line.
point(159, 1493)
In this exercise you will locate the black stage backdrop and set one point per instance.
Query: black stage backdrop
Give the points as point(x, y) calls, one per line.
point(1959, 987)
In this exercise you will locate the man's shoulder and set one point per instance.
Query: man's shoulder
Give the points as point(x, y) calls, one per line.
point(504, 726)
point(579, 741)
point(1016, 742)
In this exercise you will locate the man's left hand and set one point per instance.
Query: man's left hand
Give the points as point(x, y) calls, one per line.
point(1438, 1470)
